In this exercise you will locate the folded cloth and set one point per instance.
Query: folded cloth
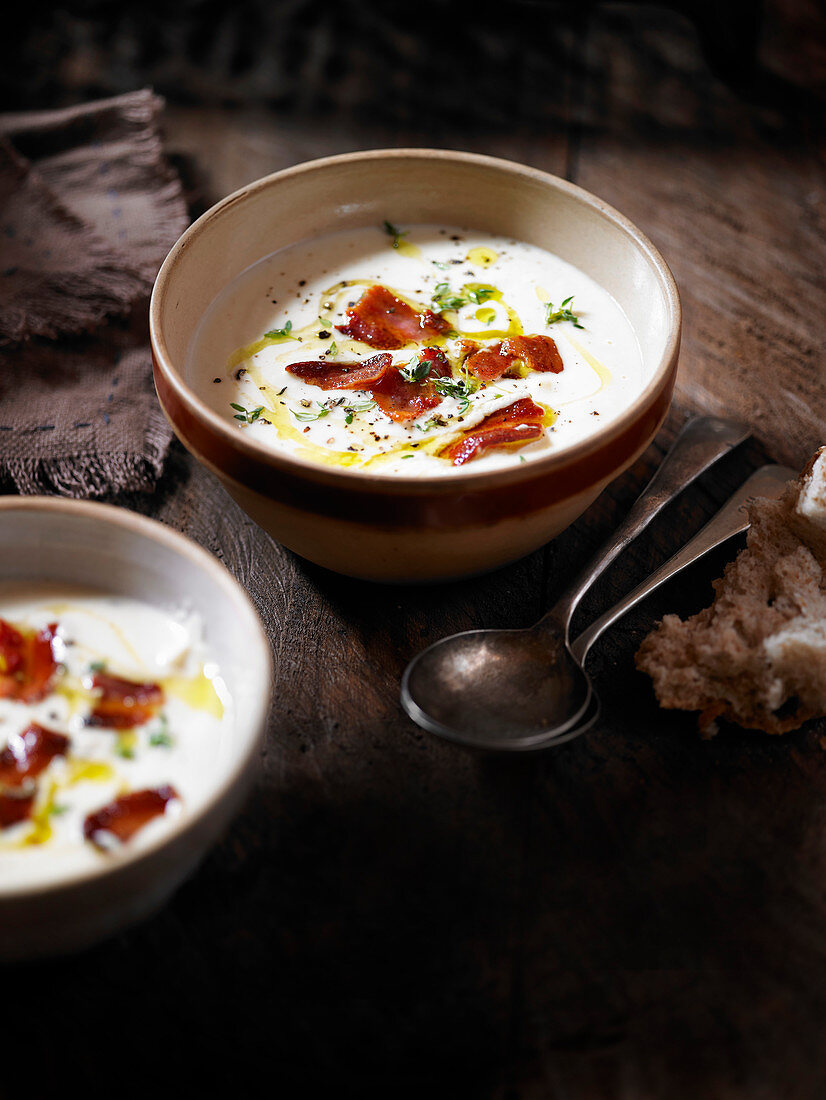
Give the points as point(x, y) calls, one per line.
point(89, 207)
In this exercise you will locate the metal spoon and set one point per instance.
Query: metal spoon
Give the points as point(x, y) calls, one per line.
point(732, 519)
point(516, 689)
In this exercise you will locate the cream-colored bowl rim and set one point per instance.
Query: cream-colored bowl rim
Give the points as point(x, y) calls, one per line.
point(406, 483)
point(262, 670)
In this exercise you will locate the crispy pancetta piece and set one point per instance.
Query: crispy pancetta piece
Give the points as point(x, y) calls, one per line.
point(396, 396)
point(513, 426)
point(382, 320)
point(15, 807)
point(536, 352)
point(342, 376)
point(27, 662)
point(29, 753)
point(403, 400)
point(123, 817)
point(122, 704)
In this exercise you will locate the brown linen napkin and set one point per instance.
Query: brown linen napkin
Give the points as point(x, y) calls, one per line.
point(57, 276)
point(88, 210)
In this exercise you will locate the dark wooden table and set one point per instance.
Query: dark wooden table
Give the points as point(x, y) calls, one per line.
point(636, 914)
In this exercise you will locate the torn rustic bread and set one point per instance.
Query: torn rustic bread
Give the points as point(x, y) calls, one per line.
point(757, 656)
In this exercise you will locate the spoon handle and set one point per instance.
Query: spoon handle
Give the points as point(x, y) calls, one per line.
point(768, 481)
point(701, 443)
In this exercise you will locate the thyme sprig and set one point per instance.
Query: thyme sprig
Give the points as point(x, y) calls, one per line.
point(478, 295)
point(564, 313)
point(458, 388)
point(248, 416)
point(162, 738)
point(307, 414)
point(415, 371)
point(445, 298)
point(284, 333)
point(351, 410)
point(395, 233)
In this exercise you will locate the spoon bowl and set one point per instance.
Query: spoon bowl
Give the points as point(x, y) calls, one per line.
point(497, 689)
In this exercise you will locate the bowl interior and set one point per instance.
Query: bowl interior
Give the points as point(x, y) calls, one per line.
point(410, 186)
point(109, 549)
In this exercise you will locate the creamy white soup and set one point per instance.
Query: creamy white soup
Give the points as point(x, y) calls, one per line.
point(114, 721)
point(415, 351)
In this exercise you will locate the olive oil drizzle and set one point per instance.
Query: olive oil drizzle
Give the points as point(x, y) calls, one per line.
point(77, 770)
point(599, 369)
point(482, 256)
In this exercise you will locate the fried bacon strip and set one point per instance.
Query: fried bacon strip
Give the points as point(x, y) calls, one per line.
point(515, 425)
point(27, 662)
point(402, 400)
point(122, 704)
point(395, 396)
point(342, 376)
point(29, 753)
point(539, 353)
point(382, 320)
point(15, 808)
point(125, 815)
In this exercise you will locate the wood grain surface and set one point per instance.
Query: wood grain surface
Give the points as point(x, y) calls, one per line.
point(636, 914)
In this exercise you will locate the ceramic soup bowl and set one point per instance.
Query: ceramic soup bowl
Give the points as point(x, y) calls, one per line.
point(409, 529)
point(55, 905)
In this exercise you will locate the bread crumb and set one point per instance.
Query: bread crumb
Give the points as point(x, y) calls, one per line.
point(811, 498)
point(757, 656)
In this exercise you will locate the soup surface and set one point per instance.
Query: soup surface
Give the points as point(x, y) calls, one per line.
point(415, 351)
point(114, 721)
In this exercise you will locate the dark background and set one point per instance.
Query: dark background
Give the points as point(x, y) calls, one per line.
point(452, 62)
point(637, 914)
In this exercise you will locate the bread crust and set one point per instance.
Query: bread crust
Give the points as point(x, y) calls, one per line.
point(757, 655)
